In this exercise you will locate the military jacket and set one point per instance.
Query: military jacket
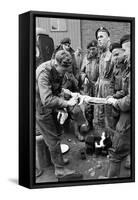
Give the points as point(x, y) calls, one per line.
point(48, 89)
point(91, 69)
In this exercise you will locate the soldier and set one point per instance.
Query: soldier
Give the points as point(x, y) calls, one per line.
point(79, 58)
point(70, 81)
point(119, 61)
point(65, 44)
point(103, 84)
point(120, 65)
point(121, 139)
point(48, 88)
point(90, 70)
point(90, 65)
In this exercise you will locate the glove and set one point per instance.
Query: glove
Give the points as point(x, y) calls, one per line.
point(111, 100)
point(62, 116)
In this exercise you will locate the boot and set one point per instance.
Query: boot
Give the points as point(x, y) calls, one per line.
point(65, 161)
point(83, 154)
point(127, 162)
point(57, 156)
point(80, 138)
point(38, 172)
point(64, 174)
point(114, 169)
point(77, 133)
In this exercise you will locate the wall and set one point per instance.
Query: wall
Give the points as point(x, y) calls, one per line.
point(73, 31)
point(116, 29)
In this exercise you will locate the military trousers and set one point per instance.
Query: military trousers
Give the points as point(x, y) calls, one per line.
point(103, 113)
point(50, 129)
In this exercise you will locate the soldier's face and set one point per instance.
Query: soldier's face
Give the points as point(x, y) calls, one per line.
point(62, 70)
point(126, 48)
point(103, 39)
point(92, 52)
point(66, 46)
point(118, 56)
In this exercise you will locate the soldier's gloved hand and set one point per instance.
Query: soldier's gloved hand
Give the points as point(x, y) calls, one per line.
point(108, 97)
point(62, 116)
point(87, 99)
point(84, 98)
point(111, 100)
point(72, 102)
point(75, 94)
point(66, 91)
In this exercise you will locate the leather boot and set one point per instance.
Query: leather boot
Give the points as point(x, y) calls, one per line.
point(127, 162)
point(67, 174)
point(80, 138)
point(57, 157)
point(77, 133)
point(38, 172)
point(114, 169)
point(65, 161)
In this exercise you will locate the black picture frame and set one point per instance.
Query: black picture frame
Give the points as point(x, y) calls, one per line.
point(27, 26)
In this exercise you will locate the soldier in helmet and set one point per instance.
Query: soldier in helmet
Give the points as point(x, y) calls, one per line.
point(48, 89)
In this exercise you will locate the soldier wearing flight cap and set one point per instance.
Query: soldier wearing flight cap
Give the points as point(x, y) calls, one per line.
point(90, 70)
point(103, 114)
point(49, 79)
point(121, 140)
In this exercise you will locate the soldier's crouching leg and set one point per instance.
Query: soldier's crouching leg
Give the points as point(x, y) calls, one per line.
point(114, 166)
point(118, 152)
point(50, 131)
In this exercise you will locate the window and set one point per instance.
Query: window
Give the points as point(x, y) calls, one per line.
point(58, 24)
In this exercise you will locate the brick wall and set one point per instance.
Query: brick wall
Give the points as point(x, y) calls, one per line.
point(116, 29)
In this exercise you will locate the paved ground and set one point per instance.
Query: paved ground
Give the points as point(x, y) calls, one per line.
point(92, 167)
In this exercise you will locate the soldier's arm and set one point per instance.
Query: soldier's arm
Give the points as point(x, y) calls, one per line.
point(83, 66)
point(97, 71)
point(123, 104)
point(119, 94)
point(46, 95)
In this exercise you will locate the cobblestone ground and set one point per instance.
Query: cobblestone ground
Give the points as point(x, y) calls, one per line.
point(93, 167)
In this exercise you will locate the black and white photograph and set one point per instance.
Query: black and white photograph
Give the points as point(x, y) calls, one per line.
point(83, 94)
point(69, 100)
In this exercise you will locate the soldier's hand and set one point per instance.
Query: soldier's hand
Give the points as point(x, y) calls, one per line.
point(97, 86)
point(72, 102)
point(111, 100)
point(66, 91)
point(108, 97)
point(87, 99)
point(75, 94)
point(84, 98)
point(86, 81)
